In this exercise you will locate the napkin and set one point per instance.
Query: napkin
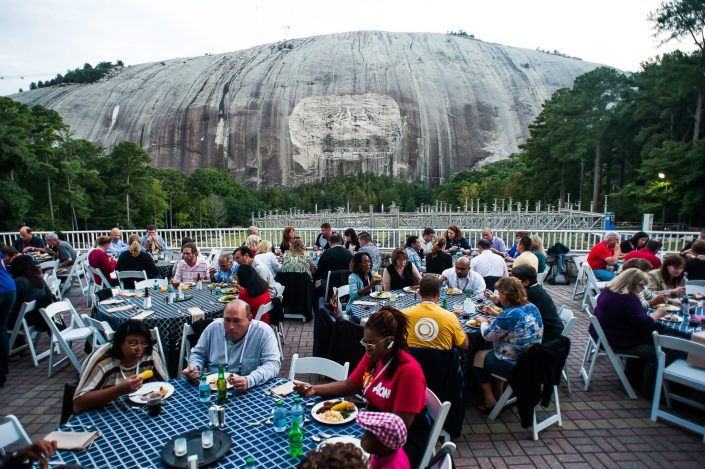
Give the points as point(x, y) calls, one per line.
point(283, 389)
point(143, 314)
point(119, 308)
point(124, 293)
point(196, 313)
point(72, 440)
point(364, 303)
point(111, 301)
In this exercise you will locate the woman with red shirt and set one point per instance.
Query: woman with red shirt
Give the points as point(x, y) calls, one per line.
point(99, 260)
point(389, 378)
point(254, 290)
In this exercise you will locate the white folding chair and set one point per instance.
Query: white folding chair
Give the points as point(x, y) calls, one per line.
point(54, 285)
point(149, 283)
point(579, 261)
point(680, 372)
point(213, 257)
point(319, 366)
point(438, 411)
point(102, 331)
point(11, 432)
point(186, 346)
point(21, 327)
point(444, 458)
point(158, 344)
point(49, 267)
point(104, 282)
point(77, 272)
point(325, 295)
point(600, 347)
point(569, 321)
point(692, 288)
point(131, 274)
point(540, 278)
point(264, 309)
point(76, 331)
point(342, 291)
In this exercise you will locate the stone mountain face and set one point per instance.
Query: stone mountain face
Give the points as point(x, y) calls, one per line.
point(419, 106)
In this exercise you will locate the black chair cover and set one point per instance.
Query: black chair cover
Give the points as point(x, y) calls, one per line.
point(490, 281)
point(345, 343)
point(323, 325)
point(298, 293)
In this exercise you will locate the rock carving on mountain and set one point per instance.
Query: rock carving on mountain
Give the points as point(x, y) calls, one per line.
point(420, 106)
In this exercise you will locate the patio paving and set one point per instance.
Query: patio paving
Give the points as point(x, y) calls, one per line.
point(601, 427)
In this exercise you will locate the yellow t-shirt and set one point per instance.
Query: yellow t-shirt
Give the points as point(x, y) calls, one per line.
point(527, 258)
point(434, 327)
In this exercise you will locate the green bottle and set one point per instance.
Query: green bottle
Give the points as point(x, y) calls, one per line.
point(445, 303)
point(250, 462)
point(296, 440)
point(222, 386)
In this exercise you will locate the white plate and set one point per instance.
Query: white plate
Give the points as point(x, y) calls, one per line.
point(344, 439)
point(142, 398)
point(318, 418)
point(409, 289)
point(214, 377)
point(376, 294)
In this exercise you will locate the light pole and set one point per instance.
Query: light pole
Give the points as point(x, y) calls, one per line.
point(662, 177)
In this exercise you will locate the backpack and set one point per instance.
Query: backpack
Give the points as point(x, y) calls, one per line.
point(559, 272)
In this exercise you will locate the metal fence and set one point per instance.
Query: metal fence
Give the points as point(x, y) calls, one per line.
point(579, 241)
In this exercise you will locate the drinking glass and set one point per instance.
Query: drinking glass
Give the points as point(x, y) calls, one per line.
point(154, 406)
point(180, 447)
point(207, 438)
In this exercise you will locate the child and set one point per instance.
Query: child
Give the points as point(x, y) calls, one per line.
point(384, 437)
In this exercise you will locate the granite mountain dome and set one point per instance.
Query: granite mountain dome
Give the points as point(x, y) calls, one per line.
point(420, 106)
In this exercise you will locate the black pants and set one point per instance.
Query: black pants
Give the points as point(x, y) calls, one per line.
point(644, 369)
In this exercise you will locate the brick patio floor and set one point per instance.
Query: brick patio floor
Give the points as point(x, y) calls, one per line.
point(601, 427)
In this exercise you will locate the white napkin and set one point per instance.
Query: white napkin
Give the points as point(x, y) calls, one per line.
point(364, 303)
point(143, 314)
point(119, 308)
point(72, 440)
point(196, 313)
point(111, 301)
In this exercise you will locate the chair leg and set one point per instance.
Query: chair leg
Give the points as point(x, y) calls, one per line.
point(590, 356)
point(657, 396)
point(619, 369)
point(667, 392)
point(567, 379)
point(501, 402)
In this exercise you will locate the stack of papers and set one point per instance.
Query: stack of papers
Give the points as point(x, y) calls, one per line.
point(72, 440)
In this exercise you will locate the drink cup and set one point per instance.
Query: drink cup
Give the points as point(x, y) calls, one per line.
point(458, 310)
point(180, 447)
point(154, 406)
point(207, 438)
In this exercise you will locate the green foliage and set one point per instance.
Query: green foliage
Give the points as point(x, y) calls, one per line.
point(87, 74)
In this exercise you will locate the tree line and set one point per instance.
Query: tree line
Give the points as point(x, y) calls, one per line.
point(87, 74)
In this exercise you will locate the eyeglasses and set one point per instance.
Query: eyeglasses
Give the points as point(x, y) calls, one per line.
point(134, 346)
point(371, 347)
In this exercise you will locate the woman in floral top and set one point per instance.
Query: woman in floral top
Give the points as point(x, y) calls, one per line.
point(296, 260)
point(513, 331)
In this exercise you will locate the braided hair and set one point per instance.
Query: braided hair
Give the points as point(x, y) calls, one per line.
point(390, 322)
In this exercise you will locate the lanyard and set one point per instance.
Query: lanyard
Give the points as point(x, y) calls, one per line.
point(137, 370)
point(242, 353)
point(467, 280)
point(372, 381)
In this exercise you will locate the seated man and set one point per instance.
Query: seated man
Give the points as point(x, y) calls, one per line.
point(462, 278)
point(59, 249)
point(648, 253)
point(336, 257)
point(487, 263)
point(227, 269)
point(366, 245)
point(246, 346)
point(117, 245)
point(191, 267)
point(603, 254)
point(322, 240)
point(496, 244)
point(243, 256)
point(427, 242)
point(114, 369)
point(27, 242)
point(552, 324)
point(152, 242)
point(413, 246)
point(429, 324)
point(525, 257)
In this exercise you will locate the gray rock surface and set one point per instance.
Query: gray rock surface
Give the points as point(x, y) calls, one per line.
point(420, 106)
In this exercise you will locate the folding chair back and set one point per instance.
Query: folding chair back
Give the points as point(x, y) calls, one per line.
point(103, 332)
point(49, 267)
point(319, 366)
point(213, 257)
point(130, 274)
point(76, 331)
point(11, 432)
point(692, 288)
point(21, 327)
point(343, 291)
point(438, 411)
point(185, 350)
point(54, 285)
point(579, 261)
point(158, 344)
point(264, 309)
point(568, 319)
point(444, 457)
point(540, 278)
point(97, 273)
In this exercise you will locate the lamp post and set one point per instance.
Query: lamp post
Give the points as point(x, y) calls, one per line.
point(662, 177)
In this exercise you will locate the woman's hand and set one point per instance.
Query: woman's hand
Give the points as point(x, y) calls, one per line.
point(488, 310)
point(452, 248)
point(481, 319)
point(675, 301)
point(131, 384)
point(375, 281)
point(680, 291)
point(659, 313)
point(304, 389)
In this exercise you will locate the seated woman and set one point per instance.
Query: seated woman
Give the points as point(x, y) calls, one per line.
point(266, 257)
point(288, 235)
point(634, 243)
point(30, 286)
point(400, 273)
point(670, 278)
point(539, 251)
point(388, 377)
point(627, 326)
point(254, 290)
point(695, 261)
point(136, 259)
point(114, 369)
point(438, 260)
point(648, 298)
point(360, 281)
point(351, 241)
point(513, 331)
point(455, 241)
point(296, 260)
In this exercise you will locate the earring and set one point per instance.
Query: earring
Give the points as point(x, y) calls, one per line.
point(391, 344)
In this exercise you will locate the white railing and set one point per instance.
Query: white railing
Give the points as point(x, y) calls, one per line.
point(579, 241)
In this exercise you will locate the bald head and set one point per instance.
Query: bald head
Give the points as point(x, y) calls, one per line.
point(26, 233)
point(462, 267)
point(115, 234)
point(236, 319)
point(487, 234)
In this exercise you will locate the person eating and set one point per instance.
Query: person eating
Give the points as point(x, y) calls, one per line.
point(117, 245)
point(152, 242)
point(361, 281)
point(59, 249)
point(27, 242)
point(254, 290)
point(99, 260)
point(455, 241)
point(227, 268)
point(462, 278)
point(191, 266)
point(400, 273)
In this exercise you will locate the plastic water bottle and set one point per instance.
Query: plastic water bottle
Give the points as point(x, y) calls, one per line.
point(444, 287)
point(296, 440)
point(217, 289)
point(204, 390)
point(468, 305)
point(685, 307)
point(279, 417)
point(297, 412)
point(250, 462)
point(155, 287)
point(170, 294)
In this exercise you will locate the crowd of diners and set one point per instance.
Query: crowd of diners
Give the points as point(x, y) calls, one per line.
point(390, 379)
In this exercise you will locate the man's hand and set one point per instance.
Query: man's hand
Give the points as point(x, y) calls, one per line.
point(41, 450)
point(481, 319)
point(238, 382)
point(659, 313)
point(132, 384)
point(192, 372)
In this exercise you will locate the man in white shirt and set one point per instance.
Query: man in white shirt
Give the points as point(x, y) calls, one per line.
point(462, 278)
point(427, 241)
point(488, 264)
point(243, 256)
point(191, 266)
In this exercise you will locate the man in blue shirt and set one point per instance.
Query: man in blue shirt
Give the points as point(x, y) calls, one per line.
point(27, 241)
point(412, 250)
point(227, 269)
point(497, 245)
point(117, 245)
point(152, 242)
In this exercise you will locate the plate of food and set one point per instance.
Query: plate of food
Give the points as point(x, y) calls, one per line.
point(229, 290)
point(213, 378)
point(382, 295)
point(697, 296)
point(344, 439)
point(672, 318)
point(672, 308)
point(454, 291)
point(336, 412)
point(414, 289)
point(227, 298)
point(149, 390)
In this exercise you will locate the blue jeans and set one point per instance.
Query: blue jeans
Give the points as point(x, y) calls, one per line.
point(7, 301)
point(493, 366)
point(603, 275)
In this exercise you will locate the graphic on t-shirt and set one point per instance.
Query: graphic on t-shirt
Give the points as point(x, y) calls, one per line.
point(426, 329)
point(381, 391)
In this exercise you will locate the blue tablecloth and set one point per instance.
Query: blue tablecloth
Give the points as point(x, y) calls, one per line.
point(681, 329)
point(131, 438)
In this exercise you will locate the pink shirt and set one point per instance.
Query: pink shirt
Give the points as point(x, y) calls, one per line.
point(396, 460)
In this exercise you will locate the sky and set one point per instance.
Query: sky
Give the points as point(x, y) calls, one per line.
point(40, 38)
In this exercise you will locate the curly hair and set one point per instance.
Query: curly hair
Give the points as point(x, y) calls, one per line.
point(335, 456)
point(390, 322)
point(513, 290)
